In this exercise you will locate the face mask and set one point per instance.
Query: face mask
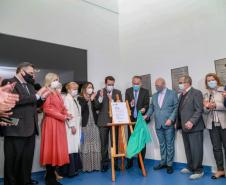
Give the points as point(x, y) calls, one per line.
point(159, 88)
point(28, 78)
point(136, 87)
point(74, 93)
point(110, 88)
point(89, 91)
point(181, 87)
point(59, 90)
point(212, 84)
point(55, 84)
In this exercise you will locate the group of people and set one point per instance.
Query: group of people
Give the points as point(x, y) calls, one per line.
point(74, 132)
point(192, 111)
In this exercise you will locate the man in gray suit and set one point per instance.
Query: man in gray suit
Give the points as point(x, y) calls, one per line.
point(109, 93)
point(190, 121)
point(164, 105)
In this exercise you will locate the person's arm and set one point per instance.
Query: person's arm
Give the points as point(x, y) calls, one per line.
point(175, 107)
point(151, 109)
point(26, 99)
point(206, 103)
point(52, 111)
point(69, 106)
point(127, 98)
point(146, 101)
point(198, 106)
point(220, 104)
point(224, 102)
point(98, 100)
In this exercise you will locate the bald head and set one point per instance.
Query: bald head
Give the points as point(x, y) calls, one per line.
point(160, 84)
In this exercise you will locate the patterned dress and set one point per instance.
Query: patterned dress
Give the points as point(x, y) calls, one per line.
point(90, 145)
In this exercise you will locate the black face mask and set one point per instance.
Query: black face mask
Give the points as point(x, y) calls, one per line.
point(28, 78)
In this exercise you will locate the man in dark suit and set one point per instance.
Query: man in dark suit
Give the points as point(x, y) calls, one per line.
point(19, 140)
point(190, 121)
point(106, 95)
point(138, 99)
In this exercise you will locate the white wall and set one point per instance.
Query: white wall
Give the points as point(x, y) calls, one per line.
point(75, 23)
point(158, 35)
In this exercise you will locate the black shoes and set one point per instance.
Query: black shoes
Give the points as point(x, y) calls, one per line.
point(218, 174)
point(52, 182)
point(32, 182)
point(169, 169)
point(104, 168)
point(159, 167)
point(117, 168)
point(129, 163)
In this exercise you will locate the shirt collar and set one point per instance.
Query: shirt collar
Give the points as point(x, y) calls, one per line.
point(163, 91)
point(22, 82)
point(186, 91)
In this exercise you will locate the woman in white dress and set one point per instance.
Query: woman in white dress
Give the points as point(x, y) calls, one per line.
point(73, 128)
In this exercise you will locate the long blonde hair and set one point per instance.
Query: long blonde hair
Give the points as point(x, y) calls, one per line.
point(49, 78)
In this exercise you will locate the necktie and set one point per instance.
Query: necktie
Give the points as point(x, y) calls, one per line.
point(135, 106)
point(26, 88)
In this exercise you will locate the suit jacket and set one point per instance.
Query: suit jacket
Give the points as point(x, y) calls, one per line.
point(103, 116)
point(142, 101)
point(191, 110)
point(167, 111)
point(85, 110)
point(220, 110)
point(25, 110)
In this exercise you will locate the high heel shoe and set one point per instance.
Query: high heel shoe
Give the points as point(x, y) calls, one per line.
point(218, 174)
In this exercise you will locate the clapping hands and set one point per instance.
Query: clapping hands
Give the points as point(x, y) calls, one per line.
point(7, 101)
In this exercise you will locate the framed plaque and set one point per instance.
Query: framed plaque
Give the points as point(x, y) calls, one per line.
point(146, 83)
point(119, 112)
point(220, 67)
point(176, 74)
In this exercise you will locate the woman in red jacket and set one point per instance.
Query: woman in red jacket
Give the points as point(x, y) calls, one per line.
point(54, 149)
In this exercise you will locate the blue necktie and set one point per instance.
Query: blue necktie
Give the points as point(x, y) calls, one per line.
point(135, 105)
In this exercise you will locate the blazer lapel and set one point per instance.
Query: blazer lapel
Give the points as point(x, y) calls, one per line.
point(20, 87)
point(139, 98)
point(114, 95)
point(186, 98)
point(132, 94)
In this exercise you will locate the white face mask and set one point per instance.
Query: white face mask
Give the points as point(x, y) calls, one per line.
point(181, 87)
point(89, 91)
point(55, 85)
point(110, 88)
point(74, 93)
